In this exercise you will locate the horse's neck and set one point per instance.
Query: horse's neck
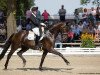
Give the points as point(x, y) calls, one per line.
point(53, 33)
point(55, 29)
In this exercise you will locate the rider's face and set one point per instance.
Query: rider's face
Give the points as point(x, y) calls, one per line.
point(34, 12)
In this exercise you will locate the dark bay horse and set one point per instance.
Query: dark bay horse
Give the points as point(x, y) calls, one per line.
point(19, 40)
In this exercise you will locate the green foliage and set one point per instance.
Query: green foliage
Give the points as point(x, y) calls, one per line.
point(83, 2)
point(87, 43)
point(87, 40)
point(94, 2)
point(22, 6)
point(3, 5)
point(80, 10)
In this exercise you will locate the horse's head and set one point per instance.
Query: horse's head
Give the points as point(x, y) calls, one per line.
point(63, 28)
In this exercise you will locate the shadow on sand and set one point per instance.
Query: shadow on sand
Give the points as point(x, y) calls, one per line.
point(46, 69)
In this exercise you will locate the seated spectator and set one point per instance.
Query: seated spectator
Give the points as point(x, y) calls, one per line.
point(91, 18)
point(1, 17)
point(28, 15)
point(98, 26)
point(97, 31)
point(91, 28)
point(85, 23)
point(76, 32)
point(70, 36)
point(98, 14)
point(2, 33)
point(58, 40)
point(96, 38)
point(85, 30)
point(80, 26)
point(72, 26)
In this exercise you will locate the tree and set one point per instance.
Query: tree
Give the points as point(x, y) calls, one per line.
point(23, 5)
point(11, 7)
point(11, 21)
point(94, 2)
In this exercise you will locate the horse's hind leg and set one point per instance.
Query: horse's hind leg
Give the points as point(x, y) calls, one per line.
point(24, 49)
point(13, 49)
point(58, 53)
point(42, 59)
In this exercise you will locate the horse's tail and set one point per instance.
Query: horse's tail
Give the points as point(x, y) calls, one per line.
point(6, 46)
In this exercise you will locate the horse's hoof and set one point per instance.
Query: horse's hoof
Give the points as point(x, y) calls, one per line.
point(24, 64)
point(5, 68)
point(68, 63)
point(40, 68)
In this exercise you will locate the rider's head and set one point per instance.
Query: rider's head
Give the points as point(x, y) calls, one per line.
point(34, 9)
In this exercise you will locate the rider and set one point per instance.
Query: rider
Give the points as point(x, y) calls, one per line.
point(36, 25)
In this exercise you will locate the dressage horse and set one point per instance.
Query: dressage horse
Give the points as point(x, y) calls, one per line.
point(20, 40)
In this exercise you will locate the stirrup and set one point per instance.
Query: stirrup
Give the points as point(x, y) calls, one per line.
point(40, 49)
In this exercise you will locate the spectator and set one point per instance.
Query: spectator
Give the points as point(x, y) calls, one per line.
point(93, 13)
point(19, 28)
point(91, 18)
point(76, 13)
point(98, 25)
point(76, 32)
point(58, 40)
point(38, 14)
point(91, 28)
point(85, 23)
point(80, 27)
point(62, 13)
point(96, 34)
point(2, 33)
point(28, 13)
point(72, 26)
point(70, 36)
point(1, 17)
point(45, 15)
point(85, 15)
point(98, 14)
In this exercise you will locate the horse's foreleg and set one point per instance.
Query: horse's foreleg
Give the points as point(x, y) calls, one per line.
point(42, 59)
point(58, 53)
point(24, 49)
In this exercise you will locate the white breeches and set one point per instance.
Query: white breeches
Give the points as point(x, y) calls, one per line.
point(36, 31)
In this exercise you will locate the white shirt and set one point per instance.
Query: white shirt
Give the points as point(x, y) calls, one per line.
point(93, 12)
point(99, 27)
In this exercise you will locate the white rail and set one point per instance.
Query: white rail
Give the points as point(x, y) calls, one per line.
point(66, 51)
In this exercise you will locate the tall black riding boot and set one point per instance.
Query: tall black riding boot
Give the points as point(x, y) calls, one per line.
point(37, 45)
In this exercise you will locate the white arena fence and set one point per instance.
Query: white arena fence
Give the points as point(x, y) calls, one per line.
point(65, 51)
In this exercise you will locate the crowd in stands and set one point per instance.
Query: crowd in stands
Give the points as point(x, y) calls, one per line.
point(2, 27)
point(90, 22)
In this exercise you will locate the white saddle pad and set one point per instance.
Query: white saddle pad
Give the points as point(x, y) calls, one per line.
point(31, 35)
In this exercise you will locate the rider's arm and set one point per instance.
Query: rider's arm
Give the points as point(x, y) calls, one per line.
point(34, 21)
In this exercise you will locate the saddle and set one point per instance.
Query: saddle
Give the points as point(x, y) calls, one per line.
point(31, 35)
point(36, 38)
